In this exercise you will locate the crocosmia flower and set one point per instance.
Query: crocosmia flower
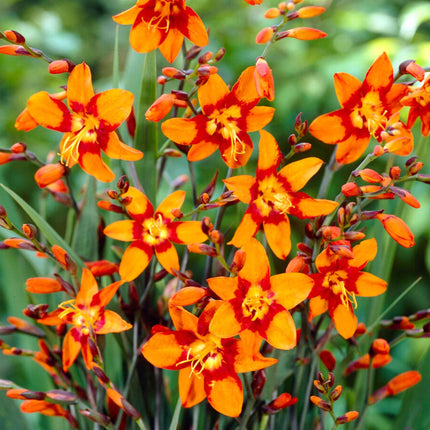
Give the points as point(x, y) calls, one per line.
point(272, 196)
point(257, 302)
point(339, 280)
point(207, 364)
point(90, 127)
point(366, 109)
point(89, 318)
point(162, 24)
point(227, 118)
point(150, 231)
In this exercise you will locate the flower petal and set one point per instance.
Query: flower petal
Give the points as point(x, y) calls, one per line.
point(212, 93)
point(49, 113)
point(71, 347)
point(351, 149)
point(363, 252)
point(279, 237)
point(241, 186)
point(113, 323)
point(114, 148)
point(298, 173)
point(183, 130)
point(317, 306)
point(140, 208)
point(191, 388)
point(171, 45)
point(202, 150)
point(88, 288)
point(135, 260)
point(369, 285)
point(307, 207)
point(379, 77)
point(247, 228)
point(121, 230)
point(79, 88)
point(223, 287)
point(91, 162)
point(225, 395)
point(291, 288)
point(256, 267)
point(329, 128)
point(192, 27)
point(244, 90)
point(279, 330)
point(143, 38)
point(346, 87)
point(224, 323)
point(167, 256)
point(269, 155)
point(344, 320)
point(172, 201)
point(186, 232)
point(127, 17)
point(258, 117)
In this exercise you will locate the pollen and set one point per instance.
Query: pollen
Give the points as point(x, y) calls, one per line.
point(80, 317)
point(155, 230)
point(371, 114)
point(273, 197)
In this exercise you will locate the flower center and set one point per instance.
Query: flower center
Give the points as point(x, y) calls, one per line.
point(80, 317)
point(204, 354)
point(273, 197)
point(155, 230)
point(337, 284)
point(256, 303)
point(70, 146)
point(163, 9)
point(371, 114)
point(225, 122)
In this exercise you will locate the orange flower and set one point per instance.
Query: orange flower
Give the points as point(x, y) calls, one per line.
point(257, 302)
point(207, 364)
point(91, 125)
point(272, 195)
point(419, 102)
point(227, 118)
point(89, 318)
point(366, 108)
point(149, 231)
point(162, 24)
point(339, 280)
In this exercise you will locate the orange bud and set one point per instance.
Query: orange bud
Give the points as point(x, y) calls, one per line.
point(346, 418)
point(29, 230)
point(188, 296)
point(302, 33)
point(310, 11)
point(14, 37)
point(202, 249)
point(369, 175)
point(107, 206)
point(18, 243)
point(264, 35)
point(281, 402)
point(360, 330)
point(239, 259)
point(160, 108)
point(272, 13)
point(379, 346)
point(60, 66)
point(13, 50)
point(320, 403)
point(397, 229)
point(263, 79)
point(396, 385)
point(172, 72)
point(335, 394)
point(413, 69)
point(43, 285)
point(378, 151)
point(302, 147)
point(102, 268)
point(18, 148)
point(49, 174)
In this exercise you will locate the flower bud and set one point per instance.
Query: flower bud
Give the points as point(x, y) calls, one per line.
point(193, 52)
point(415, 168)
point(49, 173)
point(61, 66)
point(347, 417)
point(14, 37)
point(219, 54)
point(302, 33)
point(29, 230)
point(328, 359)
point(160, 108)
point(320, 403)
point(272, 13)
point(264, 36)
point(411, 68)
point(205, 57)
point(202, 249)
point(302, 147)
point(263, 79)
point(18, 148)
point(379, 346)
point(281, 402)
point(257, 383)
point(216, 236)
point(335, 394)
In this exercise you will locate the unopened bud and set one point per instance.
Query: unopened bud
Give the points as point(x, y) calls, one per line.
point(292, 140)
point(348, 417)
point(415, 168)
point(328, 359)
point(264, 35)
point(411, 68)
point(18, 148)
point(205, 57)
point(302, 147)
point(29, 230)
point(207, 70)
point(49, 174)
point(320, 403)
point(161, 80)
point(395, 172)
point(207, 225)
point(216, 236)
point(335, 394)
point(379, 346)
point(61, 66)
point(272, 13)
point(220, 53)
point(238, 261)
point(281, 402)
point(202, 249)
point(14, 37)
point(172, 72)
point(193, 52)
point(258, 381)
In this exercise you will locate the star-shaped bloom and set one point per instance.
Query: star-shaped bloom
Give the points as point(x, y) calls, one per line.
point(419, 103)
point(257, 302)
point(207, 364)
point(89, 318)
point(90, 126)
point(366, 108)
point(272, 196)
point(150, 231)
point(226, 119)
point(339, 280)
point(162, 24)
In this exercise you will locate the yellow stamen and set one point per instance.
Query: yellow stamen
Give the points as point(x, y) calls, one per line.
point(256, 303)
point(80, 317)
point(337, 284)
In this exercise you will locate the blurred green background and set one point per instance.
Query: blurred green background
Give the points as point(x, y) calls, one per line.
point(82, 30)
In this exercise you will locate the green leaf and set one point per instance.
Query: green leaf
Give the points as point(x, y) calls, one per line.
point(85, 240)
point(51, 235)
point(176, 414)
